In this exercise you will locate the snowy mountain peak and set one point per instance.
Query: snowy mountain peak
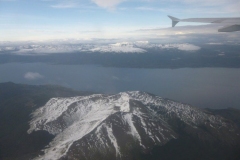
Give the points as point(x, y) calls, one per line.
point(108, 123)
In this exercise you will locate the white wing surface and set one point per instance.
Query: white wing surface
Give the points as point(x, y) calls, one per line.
point(230, 24)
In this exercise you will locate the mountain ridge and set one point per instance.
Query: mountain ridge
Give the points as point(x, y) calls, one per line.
point(138, 125)
point(95, 109)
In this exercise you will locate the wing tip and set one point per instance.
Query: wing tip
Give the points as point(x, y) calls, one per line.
point(174, 20)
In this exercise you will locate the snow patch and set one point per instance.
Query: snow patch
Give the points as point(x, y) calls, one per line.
point(133, 131)
point(112, 139)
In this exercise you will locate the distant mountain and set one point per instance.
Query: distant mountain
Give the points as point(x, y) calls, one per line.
point(139, 54)
point(128, 125)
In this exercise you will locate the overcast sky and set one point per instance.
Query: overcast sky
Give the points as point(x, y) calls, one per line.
point(87, 19)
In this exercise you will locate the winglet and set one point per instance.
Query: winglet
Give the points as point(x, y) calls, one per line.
point(174, 20)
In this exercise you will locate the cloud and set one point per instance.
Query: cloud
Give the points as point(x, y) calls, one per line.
point(33, 76)
point(215, 43)
point(106, 47)
point(115, 78)
point(224, 6)
point(198, 8)
point(188, 47)
point(183, 46)
point(123, 47)
point(7, 0)
point(109, 4)
point(206, 2)
point(65, 5)
point(45, 49)
point(211, 2)
point(9, 48)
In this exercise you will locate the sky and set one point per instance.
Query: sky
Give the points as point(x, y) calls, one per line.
point(41, 20)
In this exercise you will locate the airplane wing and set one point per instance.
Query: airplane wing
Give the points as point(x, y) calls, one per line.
point(231, 24)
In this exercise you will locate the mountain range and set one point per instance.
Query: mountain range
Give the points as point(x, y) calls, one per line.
point(52, 122)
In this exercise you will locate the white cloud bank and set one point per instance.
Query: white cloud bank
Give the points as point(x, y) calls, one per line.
point(33, 76)
point(124, 47)
point(188, 47)
point(120, 47)
point(183, 46)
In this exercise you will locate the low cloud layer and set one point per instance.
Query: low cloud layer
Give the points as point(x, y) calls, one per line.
point(188, 47)
point(33, 76)
point(120, 47)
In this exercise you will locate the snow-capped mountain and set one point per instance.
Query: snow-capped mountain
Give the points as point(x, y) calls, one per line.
point(112, 126)
point(124, 47)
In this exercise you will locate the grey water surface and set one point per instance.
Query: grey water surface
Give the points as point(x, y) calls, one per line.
point(201, 87)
